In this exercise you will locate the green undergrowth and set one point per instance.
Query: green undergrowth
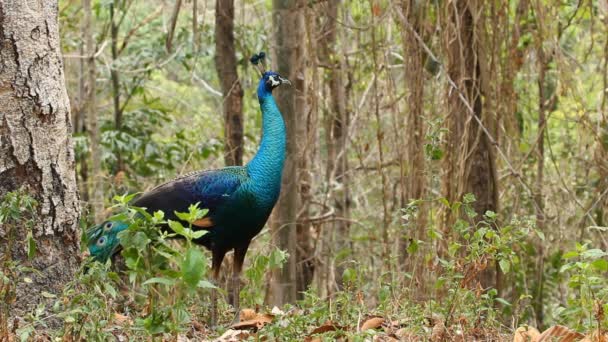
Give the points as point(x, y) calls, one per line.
point(159, 288)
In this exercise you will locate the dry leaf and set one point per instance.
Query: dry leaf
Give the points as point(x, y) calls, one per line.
point(198, 326)
point(526, 334)
point(327, 326)
point(439, 332)
point(406, 335)
point(233, 336)
point(122, 319)
point(372, 323)
point(595, 337)
point(312, 339)
point(247, 314)
point(384, 338)
point(258, 321)
point(559, 331)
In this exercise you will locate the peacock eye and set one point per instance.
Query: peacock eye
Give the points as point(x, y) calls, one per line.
point(108, 226)
point(101, 241)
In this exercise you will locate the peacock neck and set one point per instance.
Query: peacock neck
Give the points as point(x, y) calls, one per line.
point(266, 167)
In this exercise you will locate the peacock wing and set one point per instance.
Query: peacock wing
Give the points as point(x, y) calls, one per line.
point(209, 188)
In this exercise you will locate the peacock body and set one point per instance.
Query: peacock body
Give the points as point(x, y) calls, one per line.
point(239, 199)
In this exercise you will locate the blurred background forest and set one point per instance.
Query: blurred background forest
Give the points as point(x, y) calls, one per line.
point(408, 118)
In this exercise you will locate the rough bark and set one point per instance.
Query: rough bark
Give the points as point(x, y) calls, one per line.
point(36, 151)
point(226, 67)
point(305, 136)
point(97, 202)
point(289, 22)
point(469, 161)
point(336, 122)
point(414, 162)
point(115, 77)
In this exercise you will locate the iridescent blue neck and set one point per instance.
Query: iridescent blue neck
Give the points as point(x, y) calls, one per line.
point(266, 167)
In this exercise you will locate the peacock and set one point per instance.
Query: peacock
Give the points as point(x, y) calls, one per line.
point(239, 198)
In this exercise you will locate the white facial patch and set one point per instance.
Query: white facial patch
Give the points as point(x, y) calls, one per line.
point(273, 81)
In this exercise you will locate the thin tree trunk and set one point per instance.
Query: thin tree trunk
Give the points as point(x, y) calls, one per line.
point(91, 114)
point(543, 98)
point(289, 22)
point(414, 161)
point(225, 65)
point(386, 254)
point(172, 23)
point(469, 161)
point(79, 121)
point(305, 261)
point(337, 131)
point(36, 152)
point(115, 80)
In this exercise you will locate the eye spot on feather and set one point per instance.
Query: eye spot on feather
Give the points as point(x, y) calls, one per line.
point(108, 226)
point(101, 241)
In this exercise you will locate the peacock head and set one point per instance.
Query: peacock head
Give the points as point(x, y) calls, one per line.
point(270, 79)
point(103, 239)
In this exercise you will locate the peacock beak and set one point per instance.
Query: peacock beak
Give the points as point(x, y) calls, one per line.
point(284, 80)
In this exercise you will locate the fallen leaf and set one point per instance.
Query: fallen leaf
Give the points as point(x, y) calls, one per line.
point(564, 334)
point(247, 314)
point(439, 332)
point(233, 336)
point(405, 335)
point(525, 334)
point(312, 339)
point(256, 323)
point(198, 326)
point(383, 338)
point(122, 319)
point(327, 326)
point(372, 323)
point(595, 337)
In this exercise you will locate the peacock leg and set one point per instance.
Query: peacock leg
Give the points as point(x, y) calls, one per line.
point(216, 263)
point(237, 267)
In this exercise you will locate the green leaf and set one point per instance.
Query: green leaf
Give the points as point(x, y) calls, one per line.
point(570, 255)
point(600, 264)
point(203, 284)
point(192, 267)
point(593, 253)
point(31, 245)
point(413, 246)
point(505, 265)
point(183, 216)
point(468, 198)
point(159, 215)
point(177, 227)
point(198, 234)
point(159, 280)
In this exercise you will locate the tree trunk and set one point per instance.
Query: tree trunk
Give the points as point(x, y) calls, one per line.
point(288, 21)
point(305, 136)
point(36, 151)
point(225, 64)
point(414, 161)
point(469, 161)
point(336, 118)
point(115, 77)
point(97, 202)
